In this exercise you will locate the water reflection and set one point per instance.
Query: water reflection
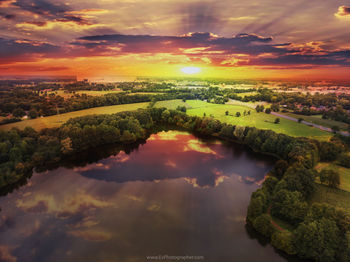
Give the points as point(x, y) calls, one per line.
point(201, 163)
point(174, 195)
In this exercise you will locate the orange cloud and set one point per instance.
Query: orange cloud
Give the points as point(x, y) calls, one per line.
point(343, 11)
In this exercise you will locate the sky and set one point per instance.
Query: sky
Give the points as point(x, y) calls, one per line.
point(106, 39)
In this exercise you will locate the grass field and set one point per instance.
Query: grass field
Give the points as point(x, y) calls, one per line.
point(194, 107)
point(259, 120)
point(172, 104)
point(317, 119)
point(331, 196)
point(246, 94)
point(57, 120)
point(343, 172)
point(248, 104)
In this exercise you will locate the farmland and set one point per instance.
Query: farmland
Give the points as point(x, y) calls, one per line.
point(57, 120)
point(194, 108)
point(258, 120)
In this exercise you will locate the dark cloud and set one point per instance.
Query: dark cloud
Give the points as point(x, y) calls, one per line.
point(258, 50)
point(51, 10)
point(24, 50)
point(41, 7)
point(245, 43)
point(238, 50)
point(7, 16)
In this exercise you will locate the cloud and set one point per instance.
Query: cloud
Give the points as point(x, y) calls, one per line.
point(343, 11)
point(197, 47)
point(12, 50)
point(239, 50)
point(7, 16)
point(242, 43)
point(91, 235)
point(60, 12)
point(37, 23)
point(78, 203)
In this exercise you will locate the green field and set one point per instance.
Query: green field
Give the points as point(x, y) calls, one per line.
point(331, 196)
point(194, 108)
point(343, 172)
point(259, 120)
point(172, 104)
point(57, 120)
point(317, 119)
point(246, 94)
point(248, 104)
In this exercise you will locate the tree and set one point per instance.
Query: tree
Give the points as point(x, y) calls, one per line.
point(283, 240)
point(262, 224)
point(329, 151)
point(289, 206)
point(330, 177)
point(259, 108)
point(127, 137)
point(335, 129)
point(270, 184)
point(301, 179)
point(33, 114)
point(66, 146)
point(277, 120)
point(18, 112)
point(182, 109)
point(255, 208)
point(344, 160)
point(238, 114)
point(268, 110)
point(318, 240)
point(275, 107)
point(165, 115)
point(280, 168)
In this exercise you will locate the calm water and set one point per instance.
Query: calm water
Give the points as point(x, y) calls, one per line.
point(175, 195)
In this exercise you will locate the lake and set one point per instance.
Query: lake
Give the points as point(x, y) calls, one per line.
point(175, 195)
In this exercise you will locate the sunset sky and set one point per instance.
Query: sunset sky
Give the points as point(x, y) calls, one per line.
point(104, 39)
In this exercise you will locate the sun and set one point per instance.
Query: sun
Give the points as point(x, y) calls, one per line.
point(190, 70)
